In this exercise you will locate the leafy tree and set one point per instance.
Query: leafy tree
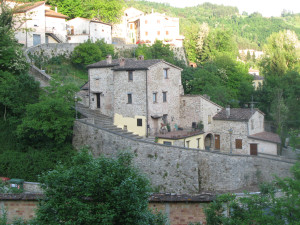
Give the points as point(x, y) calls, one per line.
point(95, 191)
point(50, 120)
point(105, 10)
point(264, 208)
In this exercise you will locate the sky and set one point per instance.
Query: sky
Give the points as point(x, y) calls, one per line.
point(267, 8)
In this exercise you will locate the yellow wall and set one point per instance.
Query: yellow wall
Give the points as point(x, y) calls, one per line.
point(131, 124)
point(193, 141)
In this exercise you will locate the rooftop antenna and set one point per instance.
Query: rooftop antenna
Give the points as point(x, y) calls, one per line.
point(252, 104)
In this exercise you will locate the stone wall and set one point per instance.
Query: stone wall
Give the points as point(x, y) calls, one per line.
point(52, 49)
point(178, 169)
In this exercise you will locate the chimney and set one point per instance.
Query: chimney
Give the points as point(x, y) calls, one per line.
point(228, 111)
point(122, 61)
point(141, 57)
point(108, 59)
point(55, 8)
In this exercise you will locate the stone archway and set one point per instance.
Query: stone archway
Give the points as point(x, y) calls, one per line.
point(209, 141)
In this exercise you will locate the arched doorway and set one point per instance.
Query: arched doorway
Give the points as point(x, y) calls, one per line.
point(209, 141)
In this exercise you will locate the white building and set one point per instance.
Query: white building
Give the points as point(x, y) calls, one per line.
point(55, 27)
point(82, 29)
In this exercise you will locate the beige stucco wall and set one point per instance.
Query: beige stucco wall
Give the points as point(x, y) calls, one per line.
point(32, 23)
point(57, 26)
point(101, 81)
point(257, 83)
point(193, 141)
point(263, 146)
point(131, 124)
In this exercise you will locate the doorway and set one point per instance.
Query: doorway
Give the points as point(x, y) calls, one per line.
point(217, 142)
point(253, 149)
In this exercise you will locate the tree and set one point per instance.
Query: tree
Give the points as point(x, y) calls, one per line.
point(264, 208)
point(95, 191)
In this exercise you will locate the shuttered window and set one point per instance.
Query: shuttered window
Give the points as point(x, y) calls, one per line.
point(238, 143)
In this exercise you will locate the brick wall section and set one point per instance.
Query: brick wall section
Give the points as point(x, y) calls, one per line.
point(181, 170)
point(180, 210)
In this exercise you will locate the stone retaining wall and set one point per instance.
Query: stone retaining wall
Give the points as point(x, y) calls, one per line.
point(182, 170)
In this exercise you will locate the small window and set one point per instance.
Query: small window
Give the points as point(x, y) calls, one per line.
point(131, 26)
point(187, 144)
point(139, 122)
point(198, 142)
point(167, 143)
point(164, 96)
point(154, 97)
point(166, 73)
point(238, 143)
point(130, 75)
point(146, 33)
point(252, 124)
point(167, 32)
point(129, 96)
point(209, 119)
point(158, 33)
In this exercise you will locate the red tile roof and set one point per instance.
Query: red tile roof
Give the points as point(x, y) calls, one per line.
point(51, 13)
point(28, 6)
point(266, 136)
point(236, 114)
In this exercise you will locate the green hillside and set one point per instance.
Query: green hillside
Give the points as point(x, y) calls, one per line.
point(251, 31)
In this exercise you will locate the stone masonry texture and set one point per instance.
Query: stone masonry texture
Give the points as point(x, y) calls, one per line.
point(178, 169)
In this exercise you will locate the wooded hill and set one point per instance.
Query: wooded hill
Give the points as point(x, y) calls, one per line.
point(251, 31)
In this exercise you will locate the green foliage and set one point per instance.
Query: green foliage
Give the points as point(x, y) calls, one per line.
point(225, 80)
point(88, 52)
point(95, 191)
point(50, 119)
point(159, 51)
point(264, 208)
point(106, 10)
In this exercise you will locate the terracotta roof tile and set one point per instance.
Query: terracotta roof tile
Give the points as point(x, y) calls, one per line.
point(51, 13)
point(28, 6)
point(266, 136)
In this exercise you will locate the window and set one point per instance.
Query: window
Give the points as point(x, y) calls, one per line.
point(164, 96)
point(252, 124)
point(167, 32)
point(187, 144)
point(198, 142)
point(238, 143)
point(158, 33)
point(146, 33)
point(139, 122)
point(131, 26)
point(146, 21)
point(129, 96)
point(209, 119)
point(154, 97)
point(130, 75)
point(167, 143)
point(166, 73)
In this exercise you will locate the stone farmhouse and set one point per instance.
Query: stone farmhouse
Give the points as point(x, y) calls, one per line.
point(36, 24)
point(146, 97)
point(137, 27)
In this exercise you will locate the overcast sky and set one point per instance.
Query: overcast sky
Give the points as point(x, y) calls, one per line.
point(265, 7)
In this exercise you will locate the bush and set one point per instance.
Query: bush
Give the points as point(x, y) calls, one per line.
point(96, 191)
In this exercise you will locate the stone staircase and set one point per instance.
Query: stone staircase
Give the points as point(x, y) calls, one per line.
point(105, 122)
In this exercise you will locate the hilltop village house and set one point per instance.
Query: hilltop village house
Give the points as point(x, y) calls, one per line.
point(257, 80)
point(146, 97)
point(137, 27)
point(36, 24)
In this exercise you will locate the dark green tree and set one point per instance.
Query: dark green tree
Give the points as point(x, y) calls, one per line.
point(96, 191)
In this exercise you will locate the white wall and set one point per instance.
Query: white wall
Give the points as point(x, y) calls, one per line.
point(57, 26)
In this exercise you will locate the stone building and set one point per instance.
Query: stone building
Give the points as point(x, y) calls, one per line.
point(137, 27)
point(242, 131)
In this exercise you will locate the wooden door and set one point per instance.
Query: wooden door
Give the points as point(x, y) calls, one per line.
point(217, 142)
point(98, 100)
point(253, 149)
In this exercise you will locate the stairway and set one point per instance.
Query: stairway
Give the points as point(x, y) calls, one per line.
point(104, 121)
